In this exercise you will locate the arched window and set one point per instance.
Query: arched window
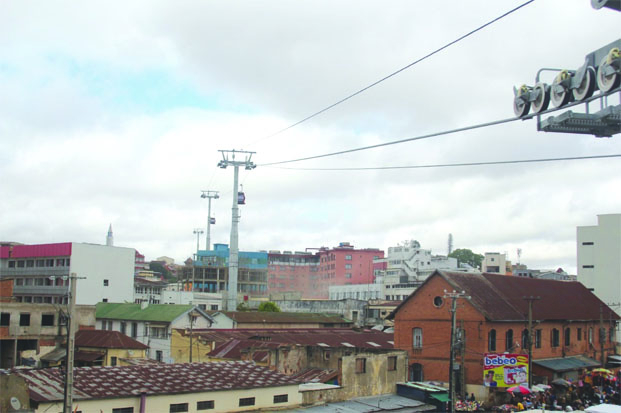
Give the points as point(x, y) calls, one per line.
point(491, 340)
point(417, 337)
point(509, 340)
point(525, 338)
point(590, 335)
point(567, 336)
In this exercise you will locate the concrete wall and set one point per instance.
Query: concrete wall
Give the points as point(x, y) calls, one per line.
point(224, 401)
point(98, 263)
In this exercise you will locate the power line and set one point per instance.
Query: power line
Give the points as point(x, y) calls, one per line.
point(569, 158)
point(395, 72)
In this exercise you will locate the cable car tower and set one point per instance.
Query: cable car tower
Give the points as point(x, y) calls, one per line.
point(228, 158)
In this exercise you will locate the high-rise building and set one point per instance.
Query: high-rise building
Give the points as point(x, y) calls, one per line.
point(599, 258)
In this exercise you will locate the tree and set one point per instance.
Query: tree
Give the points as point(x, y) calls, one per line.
point(269, 307)
point(466, 256)
point(243, 306)
point(158, 267)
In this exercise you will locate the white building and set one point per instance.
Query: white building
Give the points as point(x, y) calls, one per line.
point(495, 262)
point(151, 324)
point(599, 258)
point(357, 292)
point(407, 267)
point(41, 272)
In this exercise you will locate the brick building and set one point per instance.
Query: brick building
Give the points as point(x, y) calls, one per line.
point(567, 319)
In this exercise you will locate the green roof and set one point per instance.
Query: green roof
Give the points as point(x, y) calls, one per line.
point(441, 397)
point(130, 311)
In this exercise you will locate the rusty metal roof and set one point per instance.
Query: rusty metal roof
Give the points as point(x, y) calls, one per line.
point(325, 337)
point(130, 381)
point(502, 298)
point(106, 339)
point(281, 317)
point(314, 375)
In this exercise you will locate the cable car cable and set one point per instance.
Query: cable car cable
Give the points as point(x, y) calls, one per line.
point(568, 158)
point(393, 73)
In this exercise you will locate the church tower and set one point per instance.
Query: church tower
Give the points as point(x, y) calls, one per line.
point(110, 237)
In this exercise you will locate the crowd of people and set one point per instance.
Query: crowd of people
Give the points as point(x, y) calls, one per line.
point(589, 390)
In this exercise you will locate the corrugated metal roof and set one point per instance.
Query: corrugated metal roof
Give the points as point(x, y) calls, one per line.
point(131, 381)
point(62, 249)
point(501, 297)
point(133, 312)
point(282, 317)
point(369, 339)
point(106, 339)
point(567, 363)
point(381, 403)
point(314, 375)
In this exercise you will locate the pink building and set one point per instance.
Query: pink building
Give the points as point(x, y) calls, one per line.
point(312, 274)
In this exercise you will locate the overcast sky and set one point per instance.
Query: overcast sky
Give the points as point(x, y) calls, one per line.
point(114, 112)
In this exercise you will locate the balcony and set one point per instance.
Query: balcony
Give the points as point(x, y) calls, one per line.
point(40, 290)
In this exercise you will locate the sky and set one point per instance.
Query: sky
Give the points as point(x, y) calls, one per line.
point(114, 113)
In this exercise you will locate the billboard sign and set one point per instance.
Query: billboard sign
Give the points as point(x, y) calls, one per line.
point(505, 370)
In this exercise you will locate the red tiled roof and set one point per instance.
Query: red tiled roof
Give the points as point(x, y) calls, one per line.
point(501, 297)
point(233, 349)
point(106, 339)
point(131, 381)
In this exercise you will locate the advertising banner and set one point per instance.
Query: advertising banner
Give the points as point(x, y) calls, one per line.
point(505, 370)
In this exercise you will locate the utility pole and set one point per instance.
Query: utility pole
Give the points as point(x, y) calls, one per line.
point(453, 310)
point(190, 314)
point(228, 158)
point(530, 337)
point(209, 195)
point(197, 232)
point(602, 334)
point(71, 326)
point(462, 348)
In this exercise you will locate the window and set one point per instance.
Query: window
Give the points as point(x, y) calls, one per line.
point(5, 319)
point(113, 361)
point(47, 320)
point(110, 325)
point(178, 407)
point(348, 275)
point(348, 257)
point(579, 334)
point(611, 333)
point(491, 340)
point(213, 307)
point(587, 243)
point(590, 335)
point(281, 398)
point(105, 300)
point(555, 338)
point(326, 355)
point(134, 330)
point(123, 327)
point(246, 401)
point(417, 337)
point(525, 338)
point(438, 301)
point(159, 356)
point(348, 266)
point(11, 264)
point(392, 363)
point(538, 338)
point(30, 263)
point(21, 264)
point(123, 410)
point(567, 336)
point(361, 365)
point(509, 340)
point(24, 319)
point(205, 405)
point(106, 283)
point(588, 266)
